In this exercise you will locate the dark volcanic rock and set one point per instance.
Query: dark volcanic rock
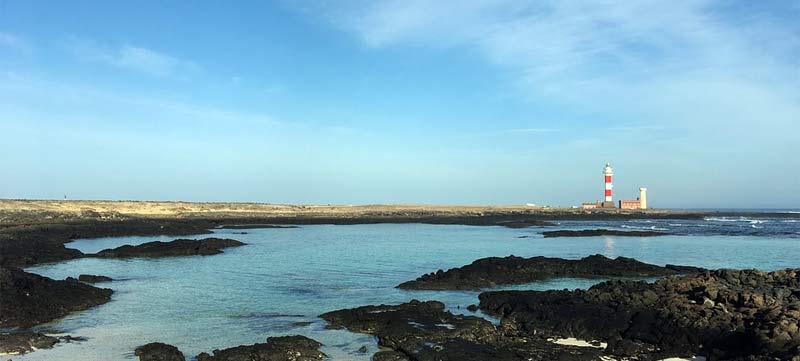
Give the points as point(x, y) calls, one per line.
point(285, 348)
point(94, 278)
point(425, 331)
point(27, 299)
point(178, 247)
point(526, 223)
point(721, 314)
point(489, 272)
point(158, 351)
point(27, 243)
point(13, 343)
point(601, 232)
point(389, 356)
point(256, 226)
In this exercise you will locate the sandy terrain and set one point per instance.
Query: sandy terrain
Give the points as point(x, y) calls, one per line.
point(49, 209)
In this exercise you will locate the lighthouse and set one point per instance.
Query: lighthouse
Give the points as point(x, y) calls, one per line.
point(608, 173)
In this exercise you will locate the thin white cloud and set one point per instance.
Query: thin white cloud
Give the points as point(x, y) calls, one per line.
point(131, 57)
point(693, 64)
point(78, 96)
point(12, 41)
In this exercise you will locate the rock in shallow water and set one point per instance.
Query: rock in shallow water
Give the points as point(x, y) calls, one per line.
point(13, 343)
point(601, 232)
point(425, 331)
point(493, 271)
point(94, 278)
point(721, 314)
point(29, 299)
point(158, 351)
point(178, 247)
point(285, 348)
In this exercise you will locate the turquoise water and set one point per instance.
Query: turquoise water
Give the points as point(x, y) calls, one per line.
point(284, 278)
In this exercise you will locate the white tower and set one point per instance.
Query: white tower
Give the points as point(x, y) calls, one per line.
point(608, 172)
point(643, 198)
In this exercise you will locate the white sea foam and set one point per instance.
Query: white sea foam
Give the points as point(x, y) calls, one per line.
point(651, 228)
point(724, 219)
point(735, 219)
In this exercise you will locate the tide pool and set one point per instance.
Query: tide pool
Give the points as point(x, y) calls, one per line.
point(284, 278)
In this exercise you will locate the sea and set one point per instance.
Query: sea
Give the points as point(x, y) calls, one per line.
point(284, 278)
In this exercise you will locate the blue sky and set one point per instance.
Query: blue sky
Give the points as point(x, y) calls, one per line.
point(360, 102)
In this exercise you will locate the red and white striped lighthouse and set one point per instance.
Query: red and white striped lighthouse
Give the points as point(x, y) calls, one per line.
point(608, 173)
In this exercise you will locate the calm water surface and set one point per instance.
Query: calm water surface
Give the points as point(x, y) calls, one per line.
point(284, 278)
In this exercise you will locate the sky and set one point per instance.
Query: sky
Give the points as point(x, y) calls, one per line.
point(402, 101)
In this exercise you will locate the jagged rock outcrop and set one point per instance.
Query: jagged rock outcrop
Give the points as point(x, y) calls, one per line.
point(178, 247)
point(27, 299)
point(417, 331)
point(157, 351)
point(14, 343)
point(285, 348)
point(722, 314)
point(601, 232)
point(493, 271)
point(94, 278)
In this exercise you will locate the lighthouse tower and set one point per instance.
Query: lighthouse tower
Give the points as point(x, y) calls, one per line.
point(608, 173)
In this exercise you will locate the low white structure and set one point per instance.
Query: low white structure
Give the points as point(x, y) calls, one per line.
point(643, 198)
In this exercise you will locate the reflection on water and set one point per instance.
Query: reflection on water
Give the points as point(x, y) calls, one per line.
point(284, 278)
point(608, 250)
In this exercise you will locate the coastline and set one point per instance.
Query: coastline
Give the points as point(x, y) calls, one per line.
point(37, 231)
point(14, 211)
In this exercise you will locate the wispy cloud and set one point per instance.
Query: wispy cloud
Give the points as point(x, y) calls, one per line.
point(131, 57)
point(8, 40)
point(701, 64)
point(133, 107)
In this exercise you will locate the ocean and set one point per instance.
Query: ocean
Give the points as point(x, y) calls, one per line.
point(283, 278)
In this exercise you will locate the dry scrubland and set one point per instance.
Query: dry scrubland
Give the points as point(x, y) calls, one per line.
point(12, 211)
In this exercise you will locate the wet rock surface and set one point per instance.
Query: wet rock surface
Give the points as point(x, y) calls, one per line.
point(493, 271)
point(425, 331)
point(257, 226)
point(14, 343)
point(23, 244)
point(601, 232)
point(158, 351)
point(722, 314)
point(94, 278)
point(285, 348)
point(178, 247)
point(90, 279)
point(27, 299)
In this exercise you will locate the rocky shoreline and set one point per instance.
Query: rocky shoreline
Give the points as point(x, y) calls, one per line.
point(601, 232)
point(426, 331)
point(722, 314)
point(690, 311)
point(176, 248)
point(29, 299)
point(283, 348)
point(494, 271)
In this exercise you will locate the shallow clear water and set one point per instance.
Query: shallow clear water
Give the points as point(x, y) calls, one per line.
point(284, 278)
